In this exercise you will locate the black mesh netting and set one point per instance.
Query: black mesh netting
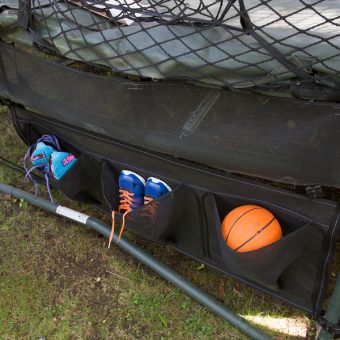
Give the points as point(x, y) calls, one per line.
point(235, 43)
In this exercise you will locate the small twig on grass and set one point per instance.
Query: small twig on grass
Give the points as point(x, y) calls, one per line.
point(122, 277)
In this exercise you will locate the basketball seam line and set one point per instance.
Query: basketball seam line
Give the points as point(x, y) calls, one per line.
point(233, 225)
point(257, 233)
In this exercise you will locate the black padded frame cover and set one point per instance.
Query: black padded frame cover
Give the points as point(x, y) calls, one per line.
point(280, 139)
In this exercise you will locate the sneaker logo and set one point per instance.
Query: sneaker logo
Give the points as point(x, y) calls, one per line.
point(38, 156)
point(67, 160)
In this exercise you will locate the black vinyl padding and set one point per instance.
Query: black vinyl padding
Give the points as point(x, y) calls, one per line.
point(279, 139)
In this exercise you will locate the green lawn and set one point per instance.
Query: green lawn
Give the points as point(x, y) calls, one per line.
point(59, 280)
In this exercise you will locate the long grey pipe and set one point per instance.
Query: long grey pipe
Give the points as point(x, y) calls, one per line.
point(159, 267)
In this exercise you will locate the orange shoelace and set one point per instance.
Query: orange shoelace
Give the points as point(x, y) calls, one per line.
point(147, 199)
point(125, 205)
point(150, 212)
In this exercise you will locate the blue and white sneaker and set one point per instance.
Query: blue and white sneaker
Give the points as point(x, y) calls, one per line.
point(40, 157)
point(155, 188)
point(131, 197)
point(61, 162)
point(131, 191)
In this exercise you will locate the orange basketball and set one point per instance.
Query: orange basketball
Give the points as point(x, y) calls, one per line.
point(250, 227)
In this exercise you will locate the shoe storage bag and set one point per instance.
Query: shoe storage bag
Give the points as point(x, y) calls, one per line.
point(112, 124)
point(294, 269)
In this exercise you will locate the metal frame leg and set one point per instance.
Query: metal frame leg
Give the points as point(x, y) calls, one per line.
point(147, 259)
point(332, 314)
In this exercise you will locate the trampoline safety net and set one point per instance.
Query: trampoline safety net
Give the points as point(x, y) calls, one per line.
point(270, 45)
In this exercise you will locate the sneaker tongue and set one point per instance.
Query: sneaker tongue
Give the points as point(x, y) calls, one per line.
point(153, 190)
point(137, 190)
point(133, 185)
point(41, 154)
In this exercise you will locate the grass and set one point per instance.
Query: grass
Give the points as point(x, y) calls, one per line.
point(58, 279)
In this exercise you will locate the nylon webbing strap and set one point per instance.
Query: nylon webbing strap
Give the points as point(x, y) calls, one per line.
point(25, 19)
point(329, 326)
point(24, 14)
point(249, 28)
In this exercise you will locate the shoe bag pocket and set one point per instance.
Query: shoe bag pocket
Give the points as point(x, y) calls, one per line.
point(82, 181)
point(154, 220)
point(264, 265)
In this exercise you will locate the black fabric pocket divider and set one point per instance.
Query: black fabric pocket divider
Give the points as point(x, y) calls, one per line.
point(156, 219)
point(153, 220)
point(82, 181)
point(265, 266)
